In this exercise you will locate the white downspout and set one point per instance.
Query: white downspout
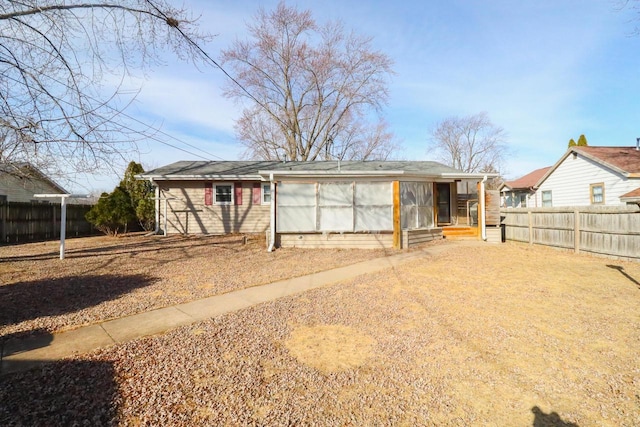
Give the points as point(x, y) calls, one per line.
point(483, 219)
point(157, 206)
point(272, 223)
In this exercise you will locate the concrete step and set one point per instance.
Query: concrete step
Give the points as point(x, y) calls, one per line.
point(460, 232)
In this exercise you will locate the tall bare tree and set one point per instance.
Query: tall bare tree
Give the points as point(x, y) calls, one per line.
point(62, 64)
point(471, 144)
point(311, 89)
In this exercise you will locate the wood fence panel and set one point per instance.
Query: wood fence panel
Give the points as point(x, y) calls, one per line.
point(492, 202)
point(610, 231)
point(26, 222)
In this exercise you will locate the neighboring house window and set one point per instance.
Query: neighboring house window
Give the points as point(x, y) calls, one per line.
point(266, 194)
point(523, 200)
point(223, 194)
point(546, 199)
point(597, 194)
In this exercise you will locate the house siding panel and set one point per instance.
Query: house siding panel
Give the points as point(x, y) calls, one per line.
point(22, 189)
point(570, 183)
point(187, 213)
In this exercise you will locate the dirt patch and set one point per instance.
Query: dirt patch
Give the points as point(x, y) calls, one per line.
point(330, 348)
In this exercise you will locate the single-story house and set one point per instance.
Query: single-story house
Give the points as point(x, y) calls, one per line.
point(520, 193)
point(591, 176)
point(20, 181)
point(313, 204)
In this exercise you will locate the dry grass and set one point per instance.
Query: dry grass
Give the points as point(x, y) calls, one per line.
point(498, 335)
point(329, 348)
point(104, 277)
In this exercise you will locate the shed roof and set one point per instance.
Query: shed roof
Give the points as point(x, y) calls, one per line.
point(631, 196)
point(183, 170)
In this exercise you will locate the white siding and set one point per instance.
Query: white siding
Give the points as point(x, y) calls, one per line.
point(570, 183)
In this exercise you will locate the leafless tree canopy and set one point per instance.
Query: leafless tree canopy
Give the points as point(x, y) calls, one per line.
point(311, 90)
point(62, 63)
point(471, 144)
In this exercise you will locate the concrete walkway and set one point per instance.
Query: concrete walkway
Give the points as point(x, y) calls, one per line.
point(27, 353)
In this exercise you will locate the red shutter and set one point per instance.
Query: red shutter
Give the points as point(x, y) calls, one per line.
point(238, 191)
point(257, 193)
point(208, 193)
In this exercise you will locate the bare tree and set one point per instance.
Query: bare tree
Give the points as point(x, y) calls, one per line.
point(62, 64)
point(470, 144)
point(311, 89)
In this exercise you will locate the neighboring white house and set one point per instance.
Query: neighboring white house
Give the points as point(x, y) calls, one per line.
point(591, 176)
point(521, 192)
point(20, 181)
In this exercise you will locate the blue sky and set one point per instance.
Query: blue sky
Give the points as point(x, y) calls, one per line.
point(544, 70)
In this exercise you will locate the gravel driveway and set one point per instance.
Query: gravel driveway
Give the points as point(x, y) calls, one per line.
point(503, 335)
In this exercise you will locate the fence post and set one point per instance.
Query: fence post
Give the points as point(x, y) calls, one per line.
point(576, 231)
point(529, 214)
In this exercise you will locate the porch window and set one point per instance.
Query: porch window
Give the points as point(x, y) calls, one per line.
point(373, 206)
point(296, 207)
point(546, 199)
point(223, 194)
point(335, 206)
point(416, 205)
point(343, 206)
point(597, 193)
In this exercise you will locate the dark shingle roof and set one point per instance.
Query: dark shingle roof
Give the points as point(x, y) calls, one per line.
point(203, 169)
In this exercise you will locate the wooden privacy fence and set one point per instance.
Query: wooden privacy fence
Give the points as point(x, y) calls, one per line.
point(25, 222)
point(611, 231)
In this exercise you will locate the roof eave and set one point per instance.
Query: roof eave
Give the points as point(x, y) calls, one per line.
point(355, 174)
point(249, 177)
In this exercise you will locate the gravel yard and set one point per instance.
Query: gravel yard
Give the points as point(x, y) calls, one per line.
point(498, 335)
point(104, 277)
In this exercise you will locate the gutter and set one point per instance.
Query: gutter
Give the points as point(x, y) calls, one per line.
point(156, 205)
point(272, 221)
point(483, 218)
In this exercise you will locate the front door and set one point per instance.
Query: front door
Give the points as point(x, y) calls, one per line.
point(444, 203)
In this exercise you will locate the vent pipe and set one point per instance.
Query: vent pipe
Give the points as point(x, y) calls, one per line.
point(638, 144)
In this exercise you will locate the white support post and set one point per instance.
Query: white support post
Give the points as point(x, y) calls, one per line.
point(63, 224)
point(165, 217)
point(63, 215)
point(157, 208)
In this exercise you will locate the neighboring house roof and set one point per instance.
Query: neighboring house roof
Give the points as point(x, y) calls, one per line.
point(528, 181)
point(623, 160)
point(231, 170)
point(28, 171)
point(631, 196)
